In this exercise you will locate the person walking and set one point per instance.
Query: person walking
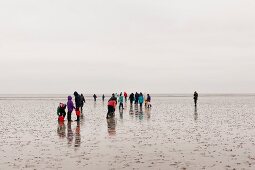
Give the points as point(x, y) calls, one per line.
point(148, 101)
point(136, 98)
point(125, 95)
point(141, 99)
point(103, 97)
point(121, 99)
point(195, 97)
point(95, 97)
point(82, 102)
point(131, 98)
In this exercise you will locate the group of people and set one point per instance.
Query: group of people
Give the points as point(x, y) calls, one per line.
point(78, 107)
point(137, 98)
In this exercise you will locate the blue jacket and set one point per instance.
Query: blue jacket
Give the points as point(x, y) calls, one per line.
point(140, 99)
point(121, 99)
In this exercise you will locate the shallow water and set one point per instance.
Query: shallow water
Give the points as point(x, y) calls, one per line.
point(219, 134)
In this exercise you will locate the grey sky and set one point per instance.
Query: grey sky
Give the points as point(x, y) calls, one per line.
point(166, 46)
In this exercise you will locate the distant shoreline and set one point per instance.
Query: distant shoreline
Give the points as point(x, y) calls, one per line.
point(88, 96)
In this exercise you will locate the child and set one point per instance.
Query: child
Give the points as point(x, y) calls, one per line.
point(111, 108)
point(61, 111)
point(121, 101)
point(70, 107)
point(148, 101)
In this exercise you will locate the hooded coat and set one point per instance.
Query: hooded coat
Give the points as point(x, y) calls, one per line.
point(121, 99)
point(77, 100)
point(136, 97)
point(140, 99)
point(70, 105)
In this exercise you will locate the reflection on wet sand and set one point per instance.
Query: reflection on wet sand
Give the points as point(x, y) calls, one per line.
point(139, 115)
point(69, 133)
point(222, 137)
point(61, 130)
point(131, 111)
point(195, 113)
point(121, 114)
point(77, 135)
point(62, 133)
point(136, 109)
point(111, 124)
point(148, 113)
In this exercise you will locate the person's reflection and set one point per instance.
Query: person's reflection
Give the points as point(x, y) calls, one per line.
point(61, 129)
point(121, 114)
point(95, 104)
point(69, 133)
point(131, 111)
point(195, 113)
point(77, 135)
point(148, 113)
point(141, 115)
point(103, 103)
point(111, 124)
point(136, 109)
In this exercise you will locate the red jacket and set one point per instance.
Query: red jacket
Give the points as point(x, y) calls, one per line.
point(125, 94)
point(112, 103)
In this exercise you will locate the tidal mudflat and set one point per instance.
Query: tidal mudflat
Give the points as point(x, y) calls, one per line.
point(173, 134)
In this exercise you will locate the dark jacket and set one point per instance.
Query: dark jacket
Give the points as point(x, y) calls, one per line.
point(131, 97)
point(82, 100)
point(78, 101)
point(149, 98)
point(61, 109)
point(195, 96)
point(136, 97)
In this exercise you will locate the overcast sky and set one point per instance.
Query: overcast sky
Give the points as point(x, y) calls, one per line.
point(101, 46)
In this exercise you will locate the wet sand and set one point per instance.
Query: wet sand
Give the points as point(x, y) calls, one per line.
point(219, 134)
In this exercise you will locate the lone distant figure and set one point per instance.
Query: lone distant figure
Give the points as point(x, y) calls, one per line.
point(95, 97)
point(195, 98)
point(103, 97)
